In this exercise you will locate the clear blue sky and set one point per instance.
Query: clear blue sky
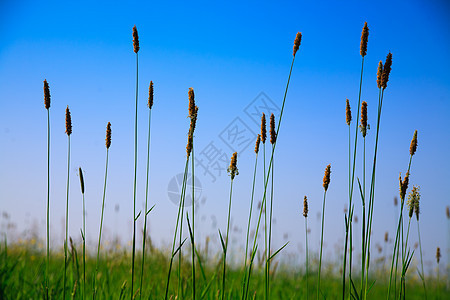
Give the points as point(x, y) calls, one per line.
point(229, 52)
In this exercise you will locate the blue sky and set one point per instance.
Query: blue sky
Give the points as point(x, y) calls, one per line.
point(229, 53)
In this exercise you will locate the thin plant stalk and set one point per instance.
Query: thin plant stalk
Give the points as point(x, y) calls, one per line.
point(145, 207)
point(180, 256)
point(176, 228)
point(363, 231)
point(306, 238)
point(346, 219)
point(321, 245)
point(421, 261)
point(47, 279)
point(226, 243)
point(84, 244)
point(193, 226)
point(270, 232)
point(101, 225)
point(67, 219)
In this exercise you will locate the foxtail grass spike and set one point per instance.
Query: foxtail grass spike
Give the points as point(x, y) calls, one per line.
point(363, 125)
point(447, 212)
point(297, 42)
point(68, 121)
point(326, 177)
point(258, 141)
point(263, 129)
point(80, 172)
point(108, 135)
point(395, 201)
point(386, 71)
point(438, 255)
point(348, 113)
point(380, 75)
point(386, 237)
point(150, 95)
point(364, 39)
point(305, 207)
point(46, 95)
point(273, 135)
point(135, 40)
point(232, 169)
point(191, 102)
point(413, 201)
point(403, 185)
point(413, 147)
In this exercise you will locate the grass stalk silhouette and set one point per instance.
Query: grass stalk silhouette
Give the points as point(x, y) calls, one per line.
point(68, 132)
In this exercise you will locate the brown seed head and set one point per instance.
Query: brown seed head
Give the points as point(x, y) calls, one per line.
point(386, 237)
point(413, 201)
point(46, 95)
point(395, 201)
point(403, 185)
point(326, 177)
point(380, 74)
point(305, 207)
point(438, 254)
point(386, 70)
point(80, 172)
point(273, 134)
point(135, 40)
point(108, 135)
point(68, 121)
point(364, 39)
point(363, 125)
point(150, 95)
point(189, 144)
point(263, 128)
point(232, 169)
point(413, 146)
point(298, 40)
point(447, 212)
point(191, 102)
point(348, 113)
point(258, 141)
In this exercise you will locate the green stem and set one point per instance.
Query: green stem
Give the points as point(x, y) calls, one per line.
point(226, 243)
point(145, 208)
point(47, 281)
point(84, 249)
point(101, 225)
point(134, 185)
point(306, 237)
point(270, 231)
point(363, 229)
point(176, 227)
point(421, 261)
point(193, 226)
point(321, 245)
point(67, 219)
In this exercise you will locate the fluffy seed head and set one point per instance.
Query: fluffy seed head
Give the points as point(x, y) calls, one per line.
point(386, 70)
point(46, 95)
point(305, 207)
point(68, 121)
point(135, 40)
point(413, 146)
point(191, 102)
point(348, 113)
point(190, 142)
point(273, 134)
point(380, 74)
point(413, 201)
point(298, 40)
point(403, 185)
point(80, 172)
point(386, 237)
point(108, 135)
point(232, 169)
point(258, 141)
point(150, 95)
point(363, 125)
point(326, 177)
point(263, 128)
point(438, 254)
point(364, 39)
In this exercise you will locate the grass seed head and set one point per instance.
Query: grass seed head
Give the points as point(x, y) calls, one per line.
point(413, 146)
point(297, 42)
point(326, 177)
point(395, 201)
point(232, 169)
point(258, 141)
point(438, 254)
point(108, 135)
point(135, 40)
point(68, 121)
point(386, 70)
point(46, 95)
point(364, 39)
point(447, 212)
point(413, 201)
point(191, 102)
point(403, 185)
point(80, 172)
point(305, 207)
point(263, 128)
point(363, 125)
point(386, 237)
point(380, 74)
point(150, 95)
point(348, 113)
point(273, 134)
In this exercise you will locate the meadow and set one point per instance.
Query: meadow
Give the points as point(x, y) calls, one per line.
point(30, 269)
